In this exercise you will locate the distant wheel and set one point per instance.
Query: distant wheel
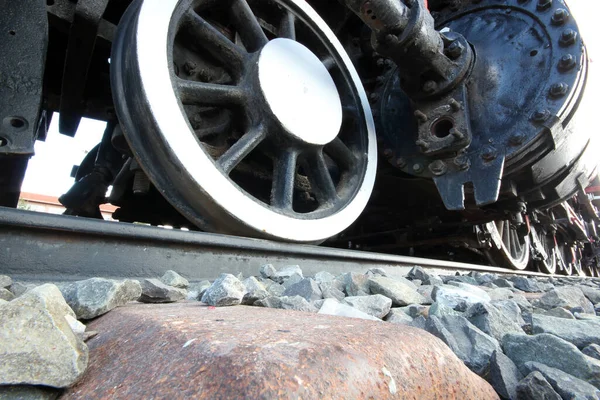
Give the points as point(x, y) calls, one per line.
point(562, 260)
point(509, 249)
point(546, 248)
point(248, 117)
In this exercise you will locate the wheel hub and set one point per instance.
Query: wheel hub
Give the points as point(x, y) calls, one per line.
point(299, 92)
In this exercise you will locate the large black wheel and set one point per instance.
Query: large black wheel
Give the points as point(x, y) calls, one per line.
point(509, 248)
point(545, 248)
point(248, 117)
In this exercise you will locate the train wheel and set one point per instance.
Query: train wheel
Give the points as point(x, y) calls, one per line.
point(249, 117)
point(509, 250)
point(562, 260)
point(546, 249)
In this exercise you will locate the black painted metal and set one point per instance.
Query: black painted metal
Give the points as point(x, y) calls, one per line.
point(23, 43)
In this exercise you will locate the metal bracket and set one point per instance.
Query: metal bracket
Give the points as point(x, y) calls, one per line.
point(82, 41)
point(485, 175)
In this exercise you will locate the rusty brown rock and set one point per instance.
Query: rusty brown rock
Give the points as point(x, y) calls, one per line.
point(188, 350)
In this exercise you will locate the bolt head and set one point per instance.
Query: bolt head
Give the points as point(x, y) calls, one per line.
point(568, 37)
point(454, 50)
point(438, 167)
point(517, 139)
point(462, 162)
point(560, 16)
point(429, 87)
point(400, 162)
point(417, 168)
point(544, 4)
point(489, 153)
point(567, 62)
point(559, 89)
point(388, 153)
point(540, 115)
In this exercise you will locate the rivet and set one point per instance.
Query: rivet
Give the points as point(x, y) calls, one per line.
point(560, 16)
point(489, 153)
point(559, 89)
point(457, 134)
point(388, 153)
point(544, 4)
point(422, 144)
point(417, 168)
point(568, 37)
point(400, 162)
point(567, 62)
point(455, 105)
point(462, 162)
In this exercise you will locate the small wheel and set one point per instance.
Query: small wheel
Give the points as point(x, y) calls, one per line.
point(249, 117)
point(510, 250)
point(545, 245)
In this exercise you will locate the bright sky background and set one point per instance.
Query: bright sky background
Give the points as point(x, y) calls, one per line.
point(49, 170)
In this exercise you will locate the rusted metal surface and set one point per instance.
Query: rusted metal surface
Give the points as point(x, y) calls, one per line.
point(193, 351)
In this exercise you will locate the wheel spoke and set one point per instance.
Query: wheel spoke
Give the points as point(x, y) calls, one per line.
point(236, 153)
point(284, 174)
point(287, 27)
point(514, 244)
point(506, 233)
point(341, 154)
point(320, 179)
point(211, 94)
point(218, 45)
point(247, 26)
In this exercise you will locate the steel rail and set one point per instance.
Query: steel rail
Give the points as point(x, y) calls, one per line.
point(47, 247)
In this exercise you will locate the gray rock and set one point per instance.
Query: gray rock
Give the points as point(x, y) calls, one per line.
point(567, 297)
point(269, 302)
point(579, 332)
point(255, 291)
point(426, 291)
point(420, 274)
point(274, 289)
point(96, 296)
point(419, 322)
point(3, 302)
point(414, 310)
point(434, 280)
point(376, 305)
point(331, 292)
point(37, 345)
point(172, 278)
point(356, 284)
point(6, 294)
point(470, 344)
point(500, 294)
point(417, 282)
point(154, 291)
point(333, 307)
point(592, 294)
point(545, 287)
point(471, 289)
point(597, 308)
point(397, 316)
point(401, 293)
point(483, 278)
point(296, 303)
point(439, 310)
point(196, 290)
point(510, 309)
point(286, 272)
point(457, 298)
point(267, 271)
point(525, 284)
point(306, 288)
point(227, 290)
point(557, 312)
point(77, 327)
point(536, 387)
point(5, 281)
point(318, 303)
point(376, 272)
point(503, 283)
point(292, 280)
point(554, 352)
point(504, 375)
point(566, 385)
point(522, 302)
point(18, 288)
point(460, 278)
point(491, 320)
point(324, 276)
point(593, 350)
point(28, 392)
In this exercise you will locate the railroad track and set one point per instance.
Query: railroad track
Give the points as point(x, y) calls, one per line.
point(46, 247)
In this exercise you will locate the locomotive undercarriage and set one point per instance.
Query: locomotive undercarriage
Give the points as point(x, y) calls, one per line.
point(445, 129)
